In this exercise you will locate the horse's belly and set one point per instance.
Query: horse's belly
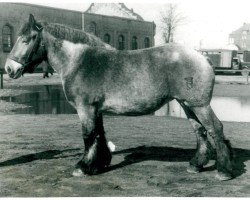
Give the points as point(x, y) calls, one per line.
point(123, 106)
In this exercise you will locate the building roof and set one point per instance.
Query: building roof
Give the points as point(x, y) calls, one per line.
point(244, 27)
point(41, 6)
point(113, 9)
point(231, 47)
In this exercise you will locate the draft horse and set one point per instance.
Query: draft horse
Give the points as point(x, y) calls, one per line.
point(97, 78)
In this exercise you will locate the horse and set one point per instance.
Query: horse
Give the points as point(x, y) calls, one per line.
point(99, 79)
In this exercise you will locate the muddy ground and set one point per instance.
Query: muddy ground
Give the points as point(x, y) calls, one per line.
point(38, 154)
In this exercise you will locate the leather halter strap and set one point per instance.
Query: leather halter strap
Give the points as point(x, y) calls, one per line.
point(28, 60)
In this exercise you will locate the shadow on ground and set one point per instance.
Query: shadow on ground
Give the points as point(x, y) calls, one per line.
point(136, 155)
point(44, 155)
point(173, 154)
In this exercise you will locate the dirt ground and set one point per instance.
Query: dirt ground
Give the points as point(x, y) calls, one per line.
point(38, 154)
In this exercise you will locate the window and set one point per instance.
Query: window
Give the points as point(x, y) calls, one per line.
point(244, 32)
point(231, 40)
point(244, 35)
point(7, 38)
point(134, 43)
point(121, 42)
point(244, 45)
point(91, 28)
point(107, 38)
point(146, 42)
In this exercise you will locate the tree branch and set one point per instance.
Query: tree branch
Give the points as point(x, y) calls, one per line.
point(171, 19)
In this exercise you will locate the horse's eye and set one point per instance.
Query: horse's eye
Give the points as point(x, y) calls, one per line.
point(34, 37)
point(25, 41)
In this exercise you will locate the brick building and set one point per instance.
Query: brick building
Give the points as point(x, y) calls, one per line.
point(113, 23)
point(241, 37)
point(119, 26)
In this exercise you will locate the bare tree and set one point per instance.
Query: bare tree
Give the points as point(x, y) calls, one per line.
point(171, 19)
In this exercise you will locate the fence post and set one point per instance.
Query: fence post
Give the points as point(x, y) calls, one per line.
point(247, 76)
point(1, 73)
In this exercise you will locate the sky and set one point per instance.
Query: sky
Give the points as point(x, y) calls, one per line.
point(208, 22)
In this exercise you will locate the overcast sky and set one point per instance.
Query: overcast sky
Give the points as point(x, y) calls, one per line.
point(208, 22)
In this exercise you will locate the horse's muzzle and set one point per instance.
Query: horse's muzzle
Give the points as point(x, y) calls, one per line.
point(13, 68)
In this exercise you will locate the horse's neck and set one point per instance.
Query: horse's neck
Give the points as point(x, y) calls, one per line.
point(62, 54)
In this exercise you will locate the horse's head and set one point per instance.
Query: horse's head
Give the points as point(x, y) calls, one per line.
point(28, 51)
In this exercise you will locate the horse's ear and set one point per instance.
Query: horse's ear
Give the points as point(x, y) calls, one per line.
point(32, 20)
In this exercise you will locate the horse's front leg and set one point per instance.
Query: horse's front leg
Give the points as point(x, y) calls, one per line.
point(96, 155)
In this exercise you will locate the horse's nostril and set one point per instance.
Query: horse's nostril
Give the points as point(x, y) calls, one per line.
point(8, 69)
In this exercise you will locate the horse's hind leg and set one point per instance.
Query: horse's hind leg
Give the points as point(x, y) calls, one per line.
point(214, 127)
point(204, 148)
point(96, 155)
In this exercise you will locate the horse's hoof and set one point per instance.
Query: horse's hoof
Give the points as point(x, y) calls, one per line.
point(78, 172)
point(223, 176)
point(194, 169)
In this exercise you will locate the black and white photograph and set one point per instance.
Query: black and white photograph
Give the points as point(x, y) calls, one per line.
point(124, 98)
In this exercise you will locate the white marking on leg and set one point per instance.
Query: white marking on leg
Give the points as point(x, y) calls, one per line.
point(78, 173)
point(92, 151)
point(111, 146)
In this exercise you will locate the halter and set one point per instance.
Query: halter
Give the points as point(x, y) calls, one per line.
point(28, 61)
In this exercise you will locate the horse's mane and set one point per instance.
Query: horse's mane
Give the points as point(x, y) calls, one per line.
point(64, 32)
point(73, 35)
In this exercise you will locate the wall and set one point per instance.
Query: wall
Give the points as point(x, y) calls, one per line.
point(115, 26)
